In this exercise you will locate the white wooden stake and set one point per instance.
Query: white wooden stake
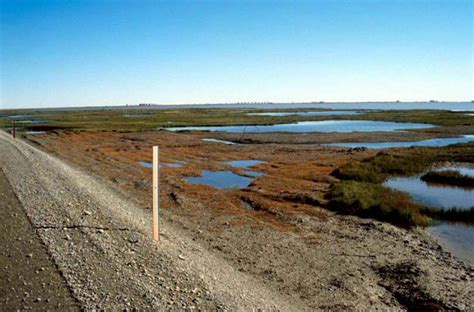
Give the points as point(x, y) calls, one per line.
point(156, 202)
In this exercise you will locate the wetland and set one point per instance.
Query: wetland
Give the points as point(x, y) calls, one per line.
point(243, 194)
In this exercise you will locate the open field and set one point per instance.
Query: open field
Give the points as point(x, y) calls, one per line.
point(282, 230)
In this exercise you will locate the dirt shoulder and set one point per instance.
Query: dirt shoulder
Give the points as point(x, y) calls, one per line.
point(29, 278)
point(276, 231)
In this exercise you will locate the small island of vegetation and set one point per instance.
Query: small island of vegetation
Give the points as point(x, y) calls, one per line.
point(449, 177)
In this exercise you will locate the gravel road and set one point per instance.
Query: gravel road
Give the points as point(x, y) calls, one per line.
point(100, 243)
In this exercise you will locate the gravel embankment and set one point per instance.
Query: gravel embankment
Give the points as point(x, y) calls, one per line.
point(28, 276)
point(100, 243)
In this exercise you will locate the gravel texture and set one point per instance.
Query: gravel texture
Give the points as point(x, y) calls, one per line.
point(29, 278)
point(101, 244)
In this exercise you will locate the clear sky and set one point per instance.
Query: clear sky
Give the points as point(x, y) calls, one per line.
point(106, 52)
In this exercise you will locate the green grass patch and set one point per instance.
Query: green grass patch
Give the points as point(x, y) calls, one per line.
point(448, 177)
point(403, 162)
point(361, 193)
point(378, 168)
point(371, 200)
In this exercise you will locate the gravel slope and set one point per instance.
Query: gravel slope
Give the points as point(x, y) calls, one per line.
point(100, 243)
point(28, 276)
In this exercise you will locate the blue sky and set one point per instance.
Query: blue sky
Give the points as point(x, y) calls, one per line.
point(76, 53)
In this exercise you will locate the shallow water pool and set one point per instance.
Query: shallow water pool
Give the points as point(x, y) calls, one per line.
point(219, 141)
point(148, 164)
point(244, 163)
point(432, 142)
point(221, 179)
point(433, 195)
point(456, 238)
point(315, 126)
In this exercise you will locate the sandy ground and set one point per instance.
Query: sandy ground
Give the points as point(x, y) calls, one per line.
point(281, 250)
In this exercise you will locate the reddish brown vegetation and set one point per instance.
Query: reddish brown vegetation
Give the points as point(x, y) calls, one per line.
point(297, 177)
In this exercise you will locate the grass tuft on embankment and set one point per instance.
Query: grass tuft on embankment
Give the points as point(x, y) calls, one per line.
point(448, 177)
point(371, 200)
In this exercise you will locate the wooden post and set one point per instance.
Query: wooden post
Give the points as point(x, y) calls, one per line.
point(14, 128)
point(156, 194)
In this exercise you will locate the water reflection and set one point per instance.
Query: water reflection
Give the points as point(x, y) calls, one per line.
point(314, 126)
point(221, 179)
point(433, 195)
point(219, 141)
point(244, 163)
point(321, 113)
point(433, 143)
point(147, 164)
point(456, 238)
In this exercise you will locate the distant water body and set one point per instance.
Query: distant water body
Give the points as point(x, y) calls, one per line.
point(432, 142)
point(324, 113)
point(314, 126)
point(454, 106)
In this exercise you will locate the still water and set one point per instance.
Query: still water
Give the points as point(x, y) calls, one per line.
point(35, 132)
point(432, 143)
point(221, 179)
point(244, 163)
point(434, 195)
point(219, 141)
point(315, 126)
point(469, 171)
point(457, 238)
point(454, 106)
point(323, 113)
point(228, 179)
point(39, 121)
point(148, 164)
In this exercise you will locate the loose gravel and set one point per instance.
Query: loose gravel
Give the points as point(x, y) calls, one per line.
point(101, 244)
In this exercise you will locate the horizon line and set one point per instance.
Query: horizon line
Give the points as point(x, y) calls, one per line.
point(229, 103)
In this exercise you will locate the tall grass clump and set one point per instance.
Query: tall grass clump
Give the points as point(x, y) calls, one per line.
point(378, 168)
point(449, 177)
point(370, 200)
